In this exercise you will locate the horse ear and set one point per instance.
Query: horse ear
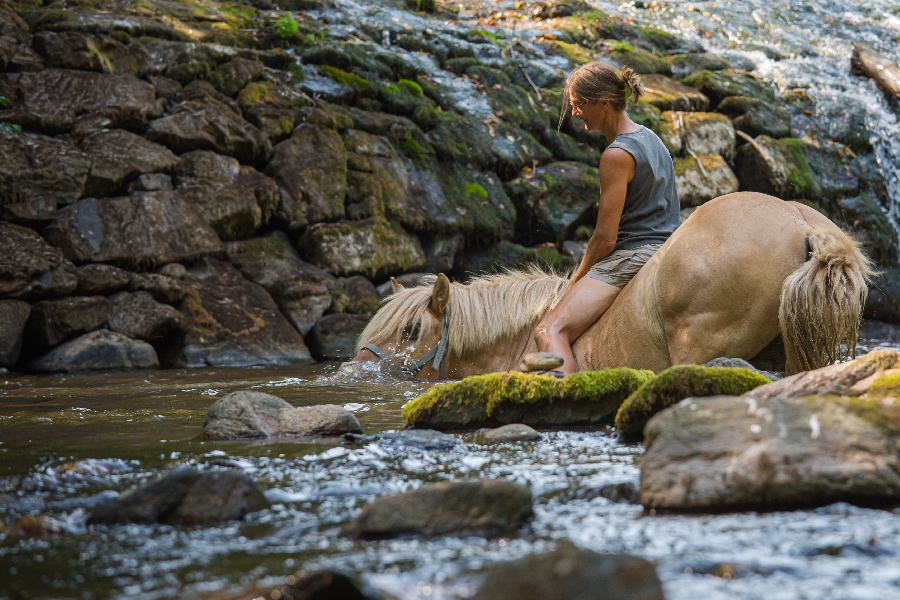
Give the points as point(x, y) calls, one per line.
point(440, 295)
point(397, 286)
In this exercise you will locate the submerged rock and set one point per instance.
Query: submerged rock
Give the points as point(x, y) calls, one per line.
point(483, 505)
point(255, 414)
point(13, 316)
point(98, 351)
point(334, 336)
point(585, 398)
point(515, 432)
point(185, 497)
point(30, 268)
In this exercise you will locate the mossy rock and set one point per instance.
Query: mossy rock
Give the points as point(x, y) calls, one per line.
point(684, 65)
point(406, 98)
point(585, 398)
point(461, 65)
point(674, 385)
point(864, 218)
point(575, 53)
point(641, 61)
point(462, 140)
point(325, 116)
point(359, 86)
point(509, 101)
point(514, 148)
point(477, 203)
point(781, 169)
point(645, 114)
point(505, 255)
point(350, 58)
point(718, 85)
point(565, 147)
point(666, 93)
point(756, 117)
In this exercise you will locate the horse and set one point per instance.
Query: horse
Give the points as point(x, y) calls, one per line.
point(744, 272)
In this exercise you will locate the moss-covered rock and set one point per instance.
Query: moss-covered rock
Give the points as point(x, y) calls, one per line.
point(756, 117)
point(684, 65)
point(231, 77)
point(666, 93)
point(624, 54)
point(708, 133)
point(406, 98)
point(696, 184)
point(506, 255)
point(867, 221)
point(718, 85)
point(463, 140)
point(674, 385)
point(585, 398)
point(349, 58)
point(565, 147)
point(777, 167)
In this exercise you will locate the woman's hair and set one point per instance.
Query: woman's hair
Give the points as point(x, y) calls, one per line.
point(601, 80)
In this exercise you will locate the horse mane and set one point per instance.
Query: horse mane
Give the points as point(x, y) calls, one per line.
point(482, 311)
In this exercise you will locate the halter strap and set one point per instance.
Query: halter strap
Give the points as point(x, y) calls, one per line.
point(438, 353)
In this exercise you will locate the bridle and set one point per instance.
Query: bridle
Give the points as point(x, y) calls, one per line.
point(438, 353)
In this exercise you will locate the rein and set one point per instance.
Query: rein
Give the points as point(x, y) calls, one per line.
point(438, 353)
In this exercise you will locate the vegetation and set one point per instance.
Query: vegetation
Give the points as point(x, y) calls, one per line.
point(286, 26)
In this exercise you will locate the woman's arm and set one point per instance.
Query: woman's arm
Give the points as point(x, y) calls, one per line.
point(616, 170)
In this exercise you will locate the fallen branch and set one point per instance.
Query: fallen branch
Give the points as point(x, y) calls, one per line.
point(753, 143)
point(878, 67)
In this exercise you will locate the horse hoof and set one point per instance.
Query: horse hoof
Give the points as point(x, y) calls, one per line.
point(542, 361)
point(549, 373)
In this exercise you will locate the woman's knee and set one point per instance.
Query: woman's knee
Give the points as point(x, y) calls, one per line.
point(549, 329)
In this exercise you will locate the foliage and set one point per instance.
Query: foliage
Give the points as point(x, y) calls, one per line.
point(286, 26)
point(621, 45)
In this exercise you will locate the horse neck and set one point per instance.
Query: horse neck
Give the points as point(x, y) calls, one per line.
point(504, 354)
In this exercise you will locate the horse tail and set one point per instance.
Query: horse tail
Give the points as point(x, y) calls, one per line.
point(822, 301)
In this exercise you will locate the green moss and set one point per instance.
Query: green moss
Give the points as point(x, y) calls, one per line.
point(804, 181)
point(674, 385)
point(621, 45)
point(474, 188)
point(343, 77)
point(718, 85)
point(411, 86)
point(573, 52)
point(256, 249)
point(254, 93)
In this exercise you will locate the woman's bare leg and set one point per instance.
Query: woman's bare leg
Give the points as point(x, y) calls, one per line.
point(583, 304)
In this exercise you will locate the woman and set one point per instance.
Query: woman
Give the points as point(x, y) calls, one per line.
point(638, 209)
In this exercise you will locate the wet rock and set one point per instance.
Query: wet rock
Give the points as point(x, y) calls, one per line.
point(642, 61)
point(30, 268)
point(254, 414)
point(148, 228)
point(53, 321)
point(864, 218)
point(571, 572)
point(675, 384)
point(667, 94)
point(206, 123)
point(878, 67)
point(36, 167)
point(542, 361)
point(718, 85)
point(362, 295)
point(698, 184)
point(728, 453)
point(756, 117)
point(883, 302)
point(37, 526)
point(321, 584)
point(13, 316)
point(231, 77)
point(140, 317)
point(50, 101)
point(707, 133)
point(485, 505)
point(514, 432)
point(776, 167)
point(310, 169)
point(34, 214)
point(161, 287)
point(97, 351)
point(372, 247)
point(692, 62)
point(119, 156)
point(229, 321)
point(424, 439)
point(503, 255)
point(585, 398)
point(185, 497)
point(554, 201)
point(334, 336)
point(86, 52)
point(300, 289)
point(235, 200)
point(185, 62)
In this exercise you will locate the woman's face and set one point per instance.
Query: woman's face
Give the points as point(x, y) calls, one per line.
point(592, 113)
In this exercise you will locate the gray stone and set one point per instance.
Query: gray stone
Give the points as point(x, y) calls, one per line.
point(119, 156)
point(101, 280)
point(165, 87)
point(231, 77)
point(442, 253)
point(542, 361)
point(424, 439)
point(707, 133)
point(87, 52)
point(141, 317)
point(30, 268)
point(485, 505)
point(334, 336)
point(98, 351)
point(137, 231)
point(13, 316)
point(322, 583)
point(151, 182)
point(255, 414)
point(406, 280)
point(161, 287)
point(362, 296)
point(702, 177)
point(36, 167)
point(54, 321)
point(185, 497)
point(765, 167)
point(514, 432)
point(34, 213)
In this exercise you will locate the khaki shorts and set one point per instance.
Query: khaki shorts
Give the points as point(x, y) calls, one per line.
point(622, 265)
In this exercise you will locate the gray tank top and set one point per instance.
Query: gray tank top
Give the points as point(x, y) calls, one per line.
point(651, 211)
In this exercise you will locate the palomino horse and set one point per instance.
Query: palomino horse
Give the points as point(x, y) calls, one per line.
point(741, 270)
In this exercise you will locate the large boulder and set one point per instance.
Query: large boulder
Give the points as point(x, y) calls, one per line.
point(334, 336)
point(756, 117)
point(142, 230)
point(372, 247)
point(87, 52)
point(37, 167)
point(163, 288)
point(718, 85)
point(97, 351)
point(229, 321)
point(301, 290)
point(231, 77)
point(778, 168)
point(54, 321)
point(702, 177)
point(118, 156)
point(140, 317)
point(13, 316)
point(506, 255)
point(236, 200)
point(322, 584)
point(30, 268)
point(667, 94)
point(185, 497)
point(481, 505)
point(50, 101)
point(255, 414)
point(703, 133)
point(310, 169)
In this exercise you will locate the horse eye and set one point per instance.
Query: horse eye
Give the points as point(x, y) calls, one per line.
point(411, 331)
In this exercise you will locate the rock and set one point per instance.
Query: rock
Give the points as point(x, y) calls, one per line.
point(707, 133)
point(185, 62)
point(37, 526)
point(36, 167)
point(692, 62)
point(642, 61)
point(13, 316)
point(229, 321)
point(86, 52)
point(97, 351)
point(165, 88)
point(883, 302)
point(322, 584)
point(209, 124)
point(151, 182)
point(254, 414)
point(372, 247)
point(235, 200)
point(334, 336)
point(864, 218)
point(667, 94)
point(362, 295)
point(30, 268)
point(443, 253)
point(776, 167)
point(553, 202)
point(506, 255)
point(148, 228)
point(878, 67)
point(756, 117)
point(140, 317)
point(185, 497)
point(119, 156)
point(50, 101)
point(514, 432)
point(161, 287)
point(584, 398)
point(718, 85)
point(231, 77)
point(570, 572)
point(675, 384)
point(485, 505)
point(542, 361)
point(698, 184)
point(310, 169)
point(727, 453)
point(300, 289)
point(424, 439)
point(54, 321)
point(33, 214)
point(406, 280)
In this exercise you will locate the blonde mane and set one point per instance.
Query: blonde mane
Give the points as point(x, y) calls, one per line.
point(481, 311)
